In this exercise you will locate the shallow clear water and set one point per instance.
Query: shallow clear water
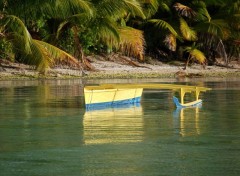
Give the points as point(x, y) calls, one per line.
point(44, 130)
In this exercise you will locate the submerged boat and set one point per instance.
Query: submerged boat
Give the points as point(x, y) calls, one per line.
point(117, 94)
point(99, 97)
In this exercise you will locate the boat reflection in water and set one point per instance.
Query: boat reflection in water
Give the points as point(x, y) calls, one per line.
point(119, 124)
point(187, 120)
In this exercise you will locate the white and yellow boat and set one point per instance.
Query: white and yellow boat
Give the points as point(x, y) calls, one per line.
point(98, 96)
point(118, 94)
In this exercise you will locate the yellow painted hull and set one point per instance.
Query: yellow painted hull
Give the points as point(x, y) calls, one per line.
point(119, 94)
point(105, 97)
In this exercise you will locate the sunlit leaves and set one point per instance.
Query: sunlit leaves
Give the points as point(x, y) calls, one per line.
point(184, 10)
point(187, 32)
point(47, 55)
point(150, 7)
point(195, 54)
point(161, 24)
point(132, 42)
point(134, 7)
point(13, 25)
point(118, 9)
point(170, 42)
point(64, 9)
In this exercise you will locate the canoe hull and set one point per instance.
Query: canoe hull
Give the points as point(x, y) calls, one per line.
point(190, 104)
point(111, 97)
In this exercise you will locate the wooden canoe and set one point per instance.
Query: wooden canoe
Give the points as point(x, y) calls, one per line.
point(118, 94)
point(111, 97)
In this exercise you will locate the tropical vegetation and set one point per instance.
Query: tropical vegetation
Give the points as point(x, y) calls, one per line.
point(50, 32)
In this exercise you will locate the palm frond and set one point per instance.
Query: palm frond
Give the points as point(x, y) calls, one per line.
point(106, 8)
point(202, 12)
point(64, 9)
point(171, 42)
point(51, 54)
point(196, 54)
point(106, 31)
point(13, 24)
point(217, 27)
point(43, 55)
point(163, 25)
point(42, 58)
point(78, 20)
point(134, 7)
point(153, 3)
point(184, 10)
point(132, 42)
point(188, 33)
point(79, 6)
point(150, 7)
point(165, 7)
point(234, 7)
point(118, 9)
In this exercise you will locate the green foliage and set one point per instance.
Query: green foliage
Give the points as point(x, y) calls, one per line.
point(6, 50)
point(15, 25)
point(187, 33)
point(90, 42)
point(107, 25)
point(163, 25)
point(195, 54)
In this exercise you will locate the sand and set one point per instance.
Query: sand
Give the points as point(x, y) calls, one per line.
point(110, 69)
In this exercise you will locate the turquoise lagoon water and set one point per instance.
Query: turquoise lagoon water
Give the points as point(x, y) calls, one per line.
point(45, 130)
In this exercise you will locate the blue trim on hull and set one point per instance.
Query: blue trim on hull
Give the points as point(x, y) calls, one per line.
point(179, 105)
point(113, 103)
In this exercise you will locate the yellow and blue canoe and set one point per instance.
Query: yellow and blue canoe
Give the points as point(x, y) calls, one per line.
point(100, 97)
point(105, 95)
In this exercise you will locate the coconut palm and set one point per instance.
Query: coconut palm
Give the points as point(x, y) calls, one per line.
point(216, 30)
point(27, 49)
point(196, 24)
point(181, 30)
point(108, 26)
point(78, 25)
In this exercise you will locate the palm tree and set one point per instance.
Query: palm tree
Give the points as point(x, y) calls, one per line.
point(27, 49)
point(216, 28)
point(180, 31)
point(110, 26)
point(191, 22)
point(117, 26)
point(107, 26)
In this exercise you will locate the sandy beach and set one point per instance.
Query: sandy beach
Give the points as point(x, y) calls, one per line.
point(110, 69)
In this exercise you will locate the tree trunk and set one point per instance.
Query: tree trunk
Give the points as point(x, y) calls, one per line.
point(79, 51)
point(189, 58)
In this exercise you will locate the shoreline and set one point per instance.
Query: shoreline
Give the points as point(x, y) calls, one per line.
point(113, 70)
